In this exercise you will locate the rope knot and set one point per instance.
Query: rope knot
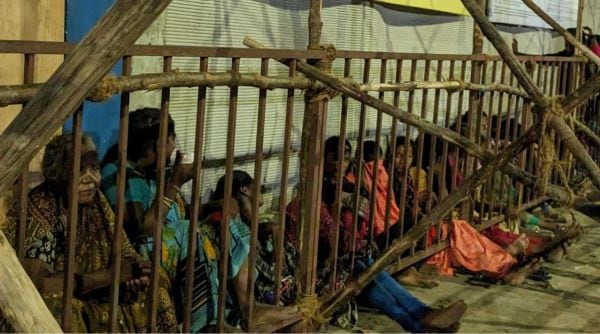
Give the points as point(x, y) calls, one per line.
point(309, 306)
point(105, 89)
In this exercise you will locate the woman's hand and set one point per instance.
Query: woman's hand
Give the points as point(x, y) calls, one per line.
point(182, 172)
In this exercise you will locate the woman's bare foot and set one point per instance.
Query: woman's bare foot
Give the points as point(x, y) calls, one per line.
point(518, 276)
point(558, 254)
point(446, 318)
point(518, 246)
point(412, 277)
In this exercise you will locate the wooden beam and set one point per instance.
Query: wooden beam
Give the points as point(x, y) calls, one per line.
point(311, 172)
point(489, 30)
point(436, 214)
point(124, 22)
point(582, 94)
point(21, 303)
point(567, 36)
point(586, 131)
point(575, 147)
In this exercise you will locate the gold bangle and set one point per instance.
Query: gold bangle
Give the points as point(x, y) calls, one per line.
point(168, 202)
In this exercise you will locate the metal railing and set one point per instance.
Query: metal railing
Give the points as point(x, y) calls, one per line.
point(493, 118)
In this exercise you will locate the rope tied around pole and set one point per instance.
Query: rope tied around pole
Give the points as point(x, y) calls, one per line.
point(462, 85)
point(551, 107)
point(309, 306)
point(105, 89)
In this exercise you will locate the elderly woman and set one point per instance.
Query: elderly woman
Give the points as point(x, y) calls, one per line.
point(45, 247)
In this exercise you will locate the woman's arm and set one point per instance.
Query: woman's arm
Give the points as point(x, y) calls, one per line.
point(48, 281)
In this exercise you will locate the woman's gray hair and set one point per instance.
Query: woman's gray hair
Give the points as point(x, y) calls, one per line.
point(58, 157)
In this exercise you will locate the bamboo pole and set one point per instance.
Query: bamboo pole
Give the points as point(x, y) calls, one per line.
point(21, 303)
point(574, 145)
point(110, 85)
point(436, 214)
point(311, 172)
point(582, 94)
point(586, 131)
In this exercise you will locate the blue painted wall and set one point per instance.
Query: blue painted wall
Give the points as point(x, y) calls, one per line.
point(101, 120)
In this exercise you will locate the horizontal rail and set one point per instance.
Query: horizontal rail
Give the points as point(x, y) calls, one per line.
point(50, 48)
point(58, 48)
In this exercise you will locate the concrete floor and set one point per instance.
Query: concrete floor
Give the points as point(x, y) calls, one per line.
point(570, 304)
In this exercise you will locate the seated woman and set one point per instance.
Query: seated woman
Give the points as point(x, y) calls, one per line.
point(139, 221)
point(45, 248)
point(242, 193)
point(384, 292)
point(396, 228)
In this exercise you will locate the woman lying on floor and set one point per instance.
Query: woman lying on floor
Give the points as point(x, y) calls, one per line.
point(384, 292)
point(500, 195)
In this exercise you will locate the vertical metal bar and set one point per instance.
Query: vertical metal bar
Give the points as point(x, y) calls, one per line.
point(488, 184)
point(160, 192)
point(479, 135)
point(340, 179)
point(120, 209)
point(498, 131)
point(552, 66)
point(564, 78)
point(523, 155)
point(392, 163)
point(72, 210)
point(432, 148)
point(507, 140)
point(410, 107)
point(196, 193)
point(224, 265)
point(359, 164)
point(546, 78)
point(459, 123)
point(260, 133)
point(373, 194)
point(442, 179)
point(419, 164)
point(287, 143)
point(28, 77)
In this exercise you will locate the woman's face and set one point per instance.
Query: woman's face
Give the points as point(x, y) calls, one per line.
point(331, 163)
point(246, 199)
point(403, 157)
point(89, 177)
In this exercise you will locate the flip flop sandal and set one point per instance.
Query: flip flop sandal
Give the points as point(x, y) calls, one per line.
point(481, 280)
point(542, 271)
point(539, 277)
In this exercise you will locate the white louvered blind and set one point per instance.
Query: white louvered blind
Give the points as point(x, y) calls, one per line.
point(283, 24)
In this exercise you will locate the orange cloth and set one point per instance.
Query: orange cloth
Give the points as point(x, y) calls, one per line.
point(471, 250)
point(381, 197)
